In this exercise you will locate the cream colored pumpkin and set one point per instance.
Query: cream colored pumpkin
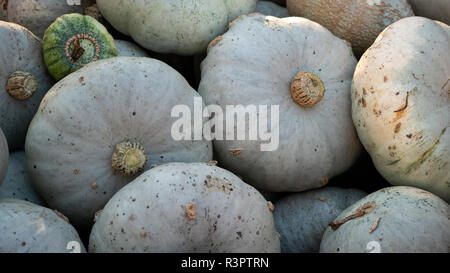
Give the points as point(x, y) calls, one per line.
point(433, 9)
point(401, 104)
point(173, 26)
point(101, 126)
point(357, 21)
point(256, 62)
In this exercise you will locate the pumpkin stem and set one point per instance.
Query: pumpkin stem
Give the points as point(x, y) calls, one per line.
point(129, 158)
point(21, 85)
point(307, 89)
point(82, 49)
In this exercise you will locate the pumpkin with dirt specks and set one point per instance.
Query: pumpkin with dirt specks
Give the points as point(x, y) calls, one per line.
point(392, 220)
point(29, 228)
point(100, 127)
point(23, 81)
point(303, 69)
point(401, 104)
point(186, 207)
point(17, 182)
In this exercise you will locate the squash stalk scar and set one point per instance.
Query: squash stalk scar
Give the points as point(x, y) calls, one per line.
point(21, 85)
point(359, 212)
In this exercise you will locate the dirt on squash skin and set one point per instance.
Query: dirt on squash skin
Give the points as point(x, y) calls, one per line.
point(218, 184)
point(361, 211)
point(191, 211)
point(375, 225)
point(235, 151)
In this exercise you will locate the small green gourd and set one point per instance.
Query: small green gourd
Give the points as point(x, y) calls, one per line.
point(73, 41)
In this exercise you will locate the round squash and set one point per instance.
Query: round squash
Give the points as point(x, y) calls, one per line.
point(264, 61)
point(270, 8)
point(181, 207)
point(180, 27)
point(73, 41)
point(358, 22)
point(100, 127)
point(4, 155)
point(17, 183)
point(301, 218)
point(38, 15)
point(401, 104)
point(397, 219)
point(23, 81)
point(29, 228)
point(128, 49)
point(433, 9)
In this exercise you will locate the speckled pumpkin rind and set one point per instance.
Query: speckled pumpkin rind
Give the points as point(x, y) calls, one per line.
point(4, 156)
point(186, 207)
point(404, 219)
point(357, 21)
point(59, 43)
point(401, 104)
point(17, 182)
point(301, 218)
point(72, 139)
point(35, 15)
point(254, 63)
point(29, 228)
point(20, 50)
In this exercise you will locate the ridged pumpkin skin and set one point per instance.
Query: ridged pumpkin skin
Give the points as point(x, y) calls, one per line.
point(181, 207)
point(357, 21)
point(17, 183)
point(270, 8)
point(128, 49)
point(21, 51)
point(4, 156)
point(401, 104)
point(59, 44)
point(72, 138)
point(433, 9)
point(301, 218)
point(37, 15)
point(29, 228)
point(410, 220)
point(255, 62)
point(173, 26)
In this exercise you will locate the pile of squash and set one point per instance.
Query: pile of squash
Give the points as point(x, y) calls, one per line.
point(88, 162)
